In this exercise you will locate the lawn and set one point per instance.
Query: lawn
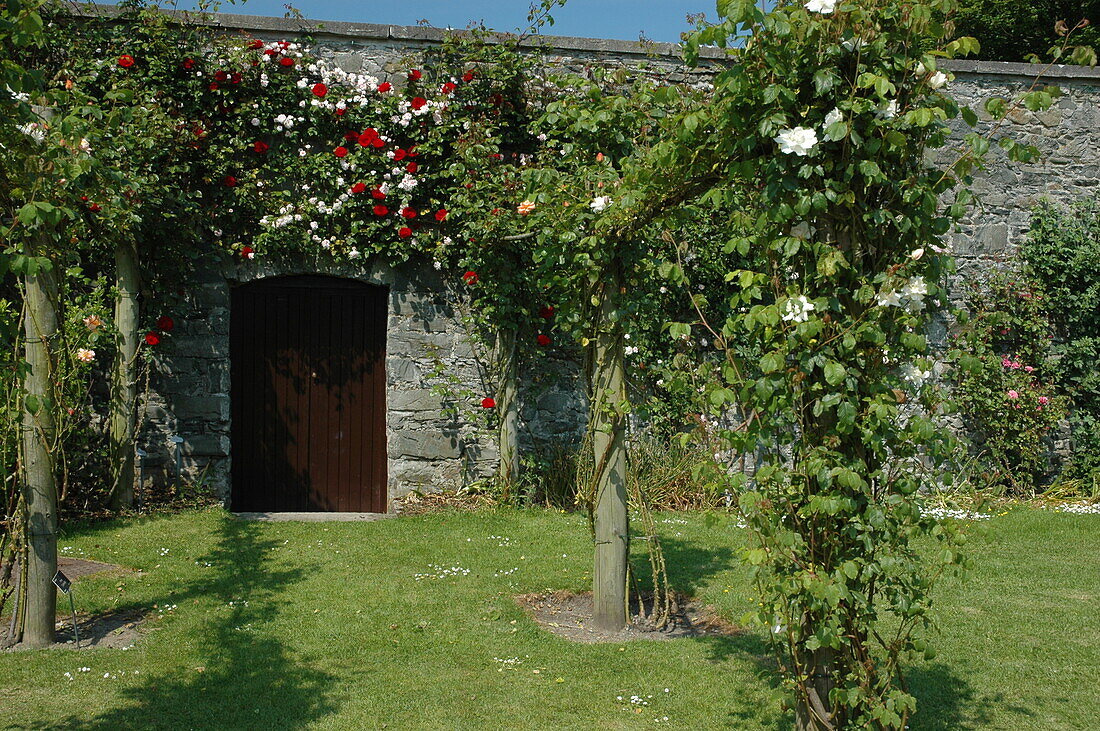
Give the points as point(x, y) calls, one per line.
point(410, 624)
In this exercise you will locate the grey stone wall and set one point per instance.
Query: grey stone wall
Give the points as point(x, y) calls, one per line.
point(435, 434)
point(1068, 135)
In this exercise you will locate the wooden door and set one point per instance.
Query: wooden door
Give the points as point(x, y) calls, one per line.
point(308, 395)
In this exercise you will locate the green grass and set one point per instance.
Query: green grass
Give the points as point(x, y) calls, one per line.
point(337, 633)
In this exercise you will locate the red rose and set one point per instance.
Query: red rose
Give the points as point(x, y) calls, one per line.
point(255, 43)
point(412, 151)
point(470, 278)
point(340, 151)
point(247, 252)
point(94, 208)
point(408, 212)
point(384, 87)
point(399, 155)
point(404, 232)
point(415, 75)
point(419, 102)
point(230, 181)
point(488, 403)
point(286, 62)
point(125, 60)
point(350, 136)
point(377, 193)
point(165, 323)
point(319, 90)
point(151, 338)
point(188, 63)
point(447, 88)
point(543, 340)
point(221, 76)
point(235, 77)
point(468, 76)
point(412, 167)
point(270, 52)
point(341, 112)
point(358, 187)
point(381, 210)
point(546, 312)
point(368, 137)
point(441, 214)
point(260, 147)
point(212, 86)
point(378, 142)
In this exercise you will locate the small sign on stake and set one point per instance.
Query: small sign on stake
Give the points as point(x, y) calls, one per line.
point(65, 584)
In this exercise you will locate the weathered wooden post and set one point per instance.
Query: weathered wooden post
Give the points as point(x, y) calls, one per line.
point(124, 376)
point(612, 527)
point(39, 481)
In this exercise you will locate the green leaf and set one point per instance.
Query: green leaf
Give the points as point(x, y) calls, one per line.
point(834, 373)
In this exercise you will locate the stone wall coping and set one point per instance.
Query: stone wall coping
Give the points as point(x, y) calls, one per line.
point(424, 34)
point(1027, 70)
point(430, 35)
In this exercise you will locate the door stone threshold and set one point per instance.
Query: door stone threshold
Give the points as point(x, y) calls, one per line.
point(313, 517)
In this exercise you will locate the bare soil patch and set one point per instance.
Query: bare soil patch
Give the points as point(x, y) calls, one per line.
point(569, 615)
point(417, 503)
point(118, 629)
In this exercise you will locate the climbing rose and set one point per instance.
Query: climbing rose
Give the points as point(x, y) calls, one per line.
point(525, 207)
point(1013, 394)
point(543, 340)
point(447, 88)
point(377, 193)
point(255, 43)
point(319, 90)
point(412, 167)
point(165, 323)
point(84, 355)
point(188, 63)
point(93, 323)
point(399, 155)
point(546, 312)
point(384, 87)
point(125, 60)
point(340, 151)
point(470, 278)
point(468, 76)
point(381, 210)
point(488, 403)
point(247, 252)
point(358, 187)
point(151, 338)
point(404, 232)
point(408, 212)
point(230, 181)
point(415, 75)
point(1043, 400)
point(286, 62)
point(938, 80)
point(418, 102)
point(821, 6)
point(260, 146)
point(799, 140)
point(599, 203)
point(441, 214)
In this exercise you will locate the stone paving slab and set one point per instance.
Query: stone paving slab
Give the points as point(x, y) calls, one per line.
point(313, 517)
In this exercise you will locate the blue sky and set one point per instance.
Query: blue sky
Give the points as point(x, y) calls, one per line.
point(659, 20)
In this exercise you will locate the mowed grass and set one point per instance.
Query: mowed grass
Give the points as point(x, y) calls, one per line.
point(290, 625)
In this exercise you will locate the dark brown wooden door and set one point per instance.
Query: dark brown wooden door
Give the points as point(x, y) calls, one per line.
point(308, 395)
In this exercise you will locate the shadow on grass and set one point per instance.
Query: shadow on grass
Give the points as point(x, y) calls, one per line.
point(249, 679)
point(946, 702)
point(689, 564)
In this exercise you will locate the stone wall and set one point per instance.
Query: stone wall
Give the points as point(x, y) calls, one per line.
point(433, 440)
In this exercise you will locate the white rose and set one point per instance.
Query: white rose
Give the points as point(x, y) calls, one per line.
point(599, 203)
point(833, 117)
point(799, 140)
point(937, 80)
point(821, 6)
